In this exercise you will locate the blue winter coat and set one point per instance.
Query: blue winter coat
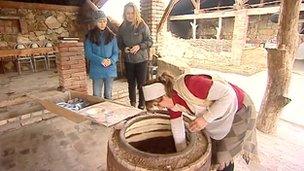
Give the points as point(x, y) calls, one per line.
point(96, 53)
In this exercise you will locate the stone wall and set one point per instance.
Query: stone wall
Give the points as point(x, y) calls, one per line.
point(260, 28)
point(189, 52)
point(178, 55)
point(37, 25)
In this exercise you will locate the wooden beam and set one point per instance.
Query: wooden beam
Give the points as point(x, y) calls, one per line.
point(263, 11)
point(39, 6)
point(100, 3)
point(193, 3)
point(261, 3)
point(166, 14)
point(10, 17)
point(198, 6)
point(216, 14)
point(92, 5)
point(230, 13)
point(96, 4)
point(265, 3)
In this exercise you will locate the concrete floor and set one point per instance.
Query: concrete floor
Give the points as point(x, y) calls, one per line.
point(59, 144)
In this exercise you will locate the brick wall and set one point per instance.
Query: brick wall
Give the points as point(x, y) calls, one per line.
point(24, 120)
point(71, 67)
point(151, 12)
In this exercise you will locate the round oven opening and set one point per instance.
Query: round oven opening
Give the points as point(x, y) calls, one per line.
point(152, 135)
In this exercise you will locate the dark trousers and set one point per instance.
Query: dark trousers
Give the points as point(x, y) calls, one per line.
point(136, 74)
point(230, 167)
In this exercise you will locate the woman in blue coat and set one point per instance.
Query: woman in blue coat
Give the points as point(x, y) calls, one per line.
point(101, 50)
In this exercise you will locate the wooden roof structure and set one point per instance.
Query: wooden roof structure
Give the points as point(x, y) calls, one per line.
point(206, 9)
point(64, 2)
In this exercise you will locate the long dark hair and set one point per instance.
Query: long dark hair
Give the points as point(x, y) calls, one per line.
point(95, 33)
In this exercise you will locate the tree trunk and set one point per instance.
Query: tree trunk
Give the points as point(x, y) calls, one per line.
point(278, 81)
point(280, 62)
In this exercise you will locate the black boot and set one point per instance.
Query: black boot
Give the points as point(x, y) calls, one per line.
point(230, 167)
point(133, 104)
point(142, 107)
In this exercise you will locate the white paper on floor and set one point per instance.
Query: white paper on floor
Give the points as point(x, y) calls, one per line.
point(109, 113)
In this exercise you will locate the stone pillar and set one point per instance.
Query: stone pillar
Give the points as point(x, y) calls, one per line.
point(239, 36)
point(71, 67)
point(151, 12)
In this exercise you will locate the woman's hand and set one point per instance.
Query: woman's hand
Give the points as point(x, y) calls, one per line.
point(134, 49)
point(106, 62)
point(198, 124)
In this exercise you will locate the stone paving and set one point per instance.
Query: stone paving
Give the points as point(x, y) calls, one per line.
point(56, 144)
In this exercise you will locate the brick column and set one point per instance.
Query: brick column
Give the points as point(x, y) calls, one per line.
point(151, 12)
point(71, 67)
point(239, 35)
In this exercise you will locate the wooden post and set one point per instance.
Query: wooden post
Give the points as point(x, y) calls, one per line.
point(219, 28)
point(193, 3)
point(196, 5)
point(280, 62)
point(194, 25)
point(239, 32)
point(239, 4)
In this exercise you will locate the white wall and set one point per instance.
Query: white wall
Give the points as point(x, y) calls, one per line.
point(114, 8)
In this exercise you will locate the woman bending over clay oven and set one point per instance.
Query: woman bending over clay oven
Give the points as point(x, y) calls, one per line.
point(222, 109)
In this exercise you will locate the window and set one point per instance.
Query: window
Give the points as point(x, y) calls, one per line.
point(9, 26)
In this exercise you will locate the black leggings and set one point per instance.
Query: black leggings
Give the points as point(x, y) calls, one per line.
point(136, 73)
